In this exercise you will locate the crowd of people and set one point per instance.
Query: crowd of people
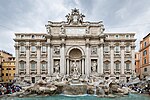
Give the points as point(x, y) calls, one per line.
point(7, 88)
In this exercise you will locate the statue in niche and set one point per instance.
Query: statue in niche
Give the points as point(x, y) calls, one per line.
point(56, 50)
point(94, 65)
point(75, 68)
point(56, 67)
point(94, 50)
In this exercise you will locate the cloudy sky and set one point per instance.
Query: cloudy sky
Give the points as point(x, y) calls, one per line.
point(32, 15)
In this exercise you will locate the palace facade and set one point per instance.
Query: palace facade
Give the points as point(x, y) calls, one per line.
point(75, 45)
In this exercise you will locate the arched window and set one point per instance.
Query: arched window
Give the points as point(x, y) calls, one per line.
point(22, 65)
point(22, 49)
point(43, 65)
point(43, 49)
point(32, 65)
point(33, 49)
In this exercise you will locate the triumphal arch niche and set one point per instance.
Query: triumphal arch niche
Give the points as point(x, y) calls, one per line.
point(75, 45)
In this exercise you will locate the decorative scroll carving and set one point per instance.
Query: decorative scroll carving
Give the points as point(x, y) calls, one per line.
point(56, 50)
point(94, 50)
point(75, 17)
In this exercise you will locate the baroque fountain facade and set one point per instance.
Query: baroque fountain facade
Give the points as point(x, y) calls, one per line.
point(75, 51)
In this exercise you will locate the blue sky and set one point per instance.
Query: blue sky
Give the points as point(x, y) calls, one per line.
point(32, 15)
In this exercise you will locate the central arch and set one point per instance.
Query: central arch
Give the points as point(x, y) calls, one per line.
point(75, 54)
point(75, 57)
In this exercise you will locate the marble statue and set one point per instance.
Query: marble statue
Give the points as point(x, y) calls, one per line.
point(94, 65)
point(56, 67)
point(75, 67)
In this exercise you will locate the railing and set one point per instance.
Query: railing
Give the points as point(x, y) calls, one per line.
point(107, 71)
point(117, 71)
point(43, 71)
point(22, 71)
point(33, 71)
point(128, 71)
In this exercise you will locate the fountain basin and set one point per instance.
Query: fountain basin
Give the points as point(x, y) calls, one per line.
point(76, 89)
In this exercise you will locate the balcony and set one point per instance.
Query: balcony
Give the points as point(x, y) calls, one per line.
point(43, 71)
point(22, 71)
point(117, 53)
point(117, 71)
point(106, 71)
point(128, 71)
point(33, 71)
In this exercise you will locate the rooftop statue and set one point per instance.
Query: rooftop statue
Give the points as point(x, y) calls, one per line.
point(75, 17)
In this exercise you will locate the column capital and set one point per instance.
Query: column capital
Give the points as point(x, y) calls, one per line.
point(48, 44)
point(122, 46)
point(112, 47)
point(27, 46)
point(101, 44)
point(133, 46)
point(17, 47)
point(38, 47)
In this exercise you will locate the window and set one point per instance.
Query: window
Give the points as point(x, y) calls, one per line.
point(2, 74)
point(145, 69)
point(106, 48)
point(33, 36)
point(145, 44)
point(33, 49)
point(116, 36)
point(117, 49)
point(144, 60)
point(43, 49)
point(22, 65)
point(33, 65)
point(22, 36)
point(127, 66)
point(144, 53)
point(43, 66)
point(127, 36)
point(117, 66)
point(6, 74)
point(127, 48)
point(13, 68)
point(22, 49)
point(106, 65)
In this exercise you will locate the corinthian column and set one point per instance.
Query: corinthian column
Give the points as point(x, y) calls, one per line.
point(122, 59)
point(133, 59)
point(112, 59)
point(87, 64)
point(17, 59)
point(101, 58)
point(49, 58)
point(27, 58)
point(38, 58)
point(62, 60)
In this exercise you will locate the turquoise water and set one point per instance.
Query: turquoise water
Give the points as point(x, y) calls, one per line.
point(61, 97)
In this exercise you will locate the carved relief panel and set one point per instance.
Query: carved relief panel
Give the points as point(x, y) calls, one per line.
point(93, 50)
point(56, 50)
